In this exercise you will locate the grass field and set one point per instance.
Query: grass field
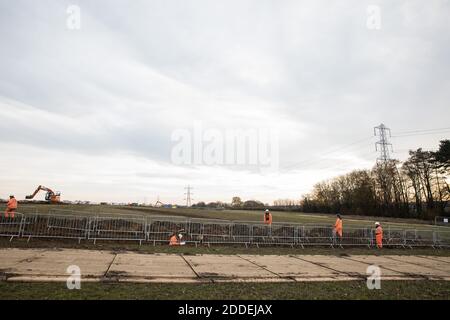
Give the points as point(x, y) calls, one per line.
point(235, 215)
point(420, 289)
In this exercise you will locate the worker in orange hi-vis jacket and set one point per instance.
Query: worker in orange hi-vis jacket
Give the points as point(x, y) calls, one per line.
point(338, 228)
point(268, 217)
point(11, 207)
point(379, 235)
point(174, 240)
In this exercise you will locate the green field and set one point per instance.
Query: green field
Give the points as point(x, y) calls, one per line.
point(420, 289)
point(234, 215)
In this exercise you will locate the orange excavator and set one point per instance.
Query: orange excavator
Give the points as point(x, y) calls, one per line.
point(50, 196)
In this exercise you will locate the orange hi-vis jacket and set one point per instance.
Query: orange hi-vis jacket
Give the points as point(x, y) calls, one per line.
point(12, 203)
point(173, 241)
point(379, 236)
point(338, 227)
point(268, 218)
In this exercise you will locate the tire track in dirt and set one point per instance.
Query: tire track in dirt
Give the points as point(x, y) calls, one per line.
point(105, 275)
point(416, 264)
point(383, 267)
point(266, 269)
point(434, 259)
point(192, 268)
point(352, 275)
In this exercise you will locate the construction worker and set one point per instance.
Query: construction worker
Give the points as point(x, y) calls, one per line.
point(338, 228)
point(11, 207)
point(379, 235)
point(268, 217)
point(174, 241)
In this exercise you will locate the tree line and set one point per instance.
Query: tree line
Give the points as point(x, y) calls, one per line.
point(416, 188)
point(236, 203)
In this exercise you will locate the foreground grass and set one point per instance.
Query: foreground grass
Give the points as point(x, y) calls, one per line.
point(230, 249)
point(420, 289)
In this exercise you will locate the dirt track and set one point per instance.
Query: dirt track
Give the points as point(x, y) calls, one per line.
point(51, 265)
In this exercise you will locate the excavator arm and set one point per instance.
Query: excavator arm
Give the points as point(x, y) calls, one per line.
point(31, 196)
point(49, 196)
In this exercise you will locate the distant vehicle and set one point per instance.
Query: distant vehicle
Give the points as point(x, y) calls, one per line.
point(50, 196)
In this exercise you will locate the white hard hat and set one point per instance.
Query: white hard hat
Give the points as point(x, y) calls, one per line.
point(180, 236)
point(267, 210)
point(377, 223)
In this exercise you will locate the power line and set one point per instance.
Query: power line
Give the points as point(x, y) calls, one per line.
point(337, 165)
point(420, 134)
point(424, 130)
point(384, 153)
point(333, 150)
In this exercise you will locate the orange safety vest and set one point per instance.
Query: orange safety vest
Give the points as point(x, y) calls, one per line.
point(173, 241)
point(379, 236)
point(338, 227)
point(268, 218)
point(12, 203)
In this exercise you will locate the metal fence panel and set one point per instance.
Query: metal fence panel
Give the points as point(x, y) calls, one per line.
point(393, 237)
point(217, 233)
point(418, 238)
point(241, 233)
point(161, 230)
point(10, 227)
point(115, 228)
point(441, 239)
point(354, 237)
point(54, 226)
point(274, 234)
point(319, 236)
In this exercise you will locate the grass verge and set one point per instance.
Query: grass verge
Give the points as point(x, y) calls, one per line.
point(420, 289)
point(231, 249)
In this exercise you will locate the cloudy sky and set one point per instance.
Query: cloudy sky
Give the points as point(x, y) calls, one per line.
point(94, 109)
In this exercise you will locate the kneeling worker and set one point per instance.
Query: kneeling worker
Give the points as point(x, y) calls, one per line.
point(11, 207)
point(176, 240)
point(379, 235)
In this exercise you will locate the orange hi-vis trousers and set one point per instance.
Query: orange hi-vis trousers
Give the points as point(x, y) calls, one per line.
point(10, 213)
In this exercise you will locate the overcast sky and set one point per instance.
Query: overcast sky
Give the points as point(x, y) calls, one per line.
point(92, 111)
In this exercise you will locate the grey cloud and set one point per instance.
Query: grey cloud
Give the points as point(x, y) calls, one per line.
point(138, 70)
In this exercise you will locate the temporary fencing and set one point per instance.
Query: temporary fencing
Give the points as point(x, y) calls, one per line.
point(117, 228)
point(11, 227)
point(158, 229)
point(54, 226)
